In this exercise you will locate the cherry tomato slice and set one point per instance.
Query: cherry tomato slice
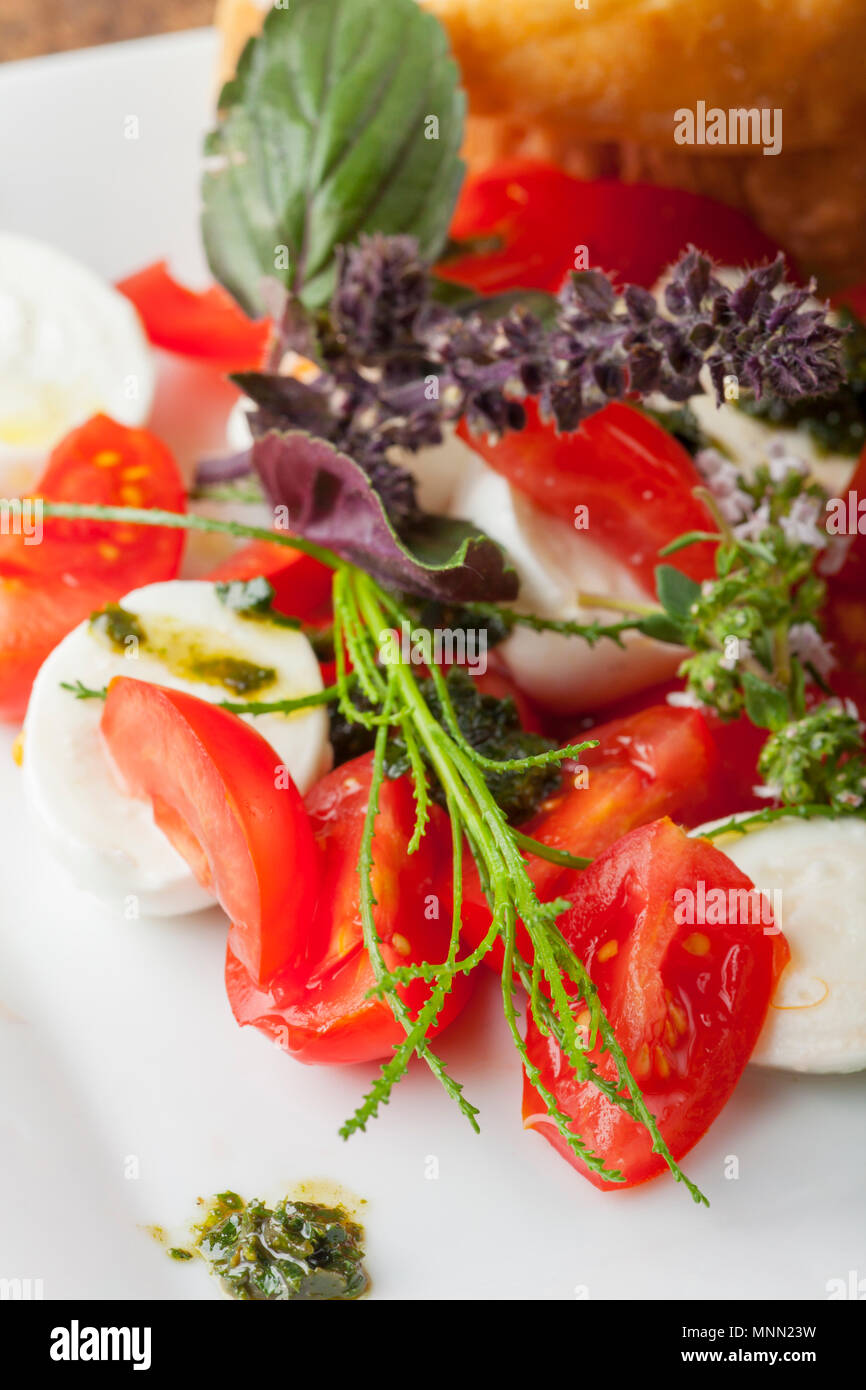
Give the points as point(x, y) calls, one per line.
point(659, 761)
point(331, 1019)
point(206, 325)
point(301, 584)
point(214, 786)
point(543, 217)
point(48, 588)
point(634, 478)
point(686, 997)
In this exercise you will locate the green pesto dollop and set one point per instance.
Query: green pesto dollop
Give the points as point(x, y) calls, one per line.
point(117, 625)
point(183, 651)
point(295, 1250)
point(837, 423)
point(239, 676)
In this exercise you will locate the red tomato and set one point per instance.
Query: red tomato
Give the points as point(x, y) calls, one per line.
point(46, 589)
point(686, 1000)
point(543, 216)
point(213, 783)
point(738, 742)
point(660, 761)
point(634, 478)
point(302, 585)
point(331, 1019)
point(207, 325)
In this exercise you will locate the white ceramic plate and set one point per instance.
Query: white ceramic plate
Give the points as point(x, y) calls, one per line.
point(125, 1088)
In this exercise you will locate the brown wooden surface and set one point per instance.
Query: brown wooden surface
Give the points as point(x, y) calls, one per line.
point(29, 27)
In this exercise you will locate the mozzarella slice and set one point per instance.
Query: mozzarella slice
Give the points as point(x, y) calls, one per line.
point(108, 840)
point(817, 1019)
point(204, 550)
point(746, 440)
point(239, 436)
point(440, 470)
point(554, 563)
point(70, 347)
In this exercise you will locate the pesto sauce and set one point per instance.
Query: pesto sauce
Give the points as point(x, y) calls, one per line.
point(183, 651)
point(117, 625)
point(241, 677)
point(297, 1250)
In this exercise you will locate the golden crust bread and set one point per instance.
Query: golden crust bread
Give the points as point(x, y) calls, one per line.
point(237, 21)
point(618, 69)
point(596, 89)
point(813, 202)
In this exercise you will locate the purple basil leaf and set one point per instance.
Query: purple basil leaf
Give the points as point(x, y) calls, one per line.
point(330, 500)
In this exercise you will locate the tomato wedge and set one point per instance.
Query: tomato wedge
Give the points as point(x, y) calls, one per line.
point(206, 325)
point(634, 478)
point(212, 782)
point(331, 1019)
point(47, 588)
point(686, 999)
point(301, 584)
point(659, 761)
point(541, 216)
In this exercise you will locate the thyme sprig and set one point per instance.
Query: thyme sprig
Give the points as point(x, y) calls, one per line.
point(742, 825)
point(754, 631)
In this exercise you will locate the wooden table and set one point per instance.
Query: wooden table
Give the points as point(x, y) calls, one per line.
point(29, 27)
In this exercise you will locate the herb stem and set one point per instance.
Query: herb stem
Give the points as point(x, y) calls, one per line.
point(618, 605)
point(189, 521)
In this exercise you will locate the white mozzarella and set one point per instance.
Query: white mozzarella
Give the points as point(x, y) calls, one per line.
point(70, 347)
point(204, 550)
point(554, 563)
point(439, 471)
point(817, 1019)
point(746, 440)
point(239, 436)
point(106, 839)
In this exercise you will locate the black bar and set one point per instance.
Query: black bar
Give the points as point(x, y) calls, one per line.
point(212, 1339)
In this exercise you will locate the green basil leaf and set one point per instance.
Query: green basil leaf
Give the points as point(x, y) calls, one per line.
point(345, 116)
point(676, 591)
point(766, 705)
point(662, 628)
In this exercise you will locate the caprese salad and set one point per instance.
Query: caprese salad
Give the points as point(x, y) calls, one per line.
point(532, 643)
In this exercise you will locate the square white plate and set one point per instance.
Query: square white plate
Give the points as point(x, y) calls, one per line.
point(126, 1090)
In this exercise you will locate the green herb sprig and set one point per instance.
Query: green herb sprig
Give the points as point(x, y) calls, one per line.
point(754, 633)
point(558, 984)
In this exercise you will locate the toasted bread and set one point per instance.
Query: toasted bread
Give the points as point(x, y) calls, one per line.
point(597, 89)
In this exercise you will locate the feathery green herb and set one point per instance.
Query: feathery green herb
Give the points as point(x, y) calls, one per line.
point(399, 703)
